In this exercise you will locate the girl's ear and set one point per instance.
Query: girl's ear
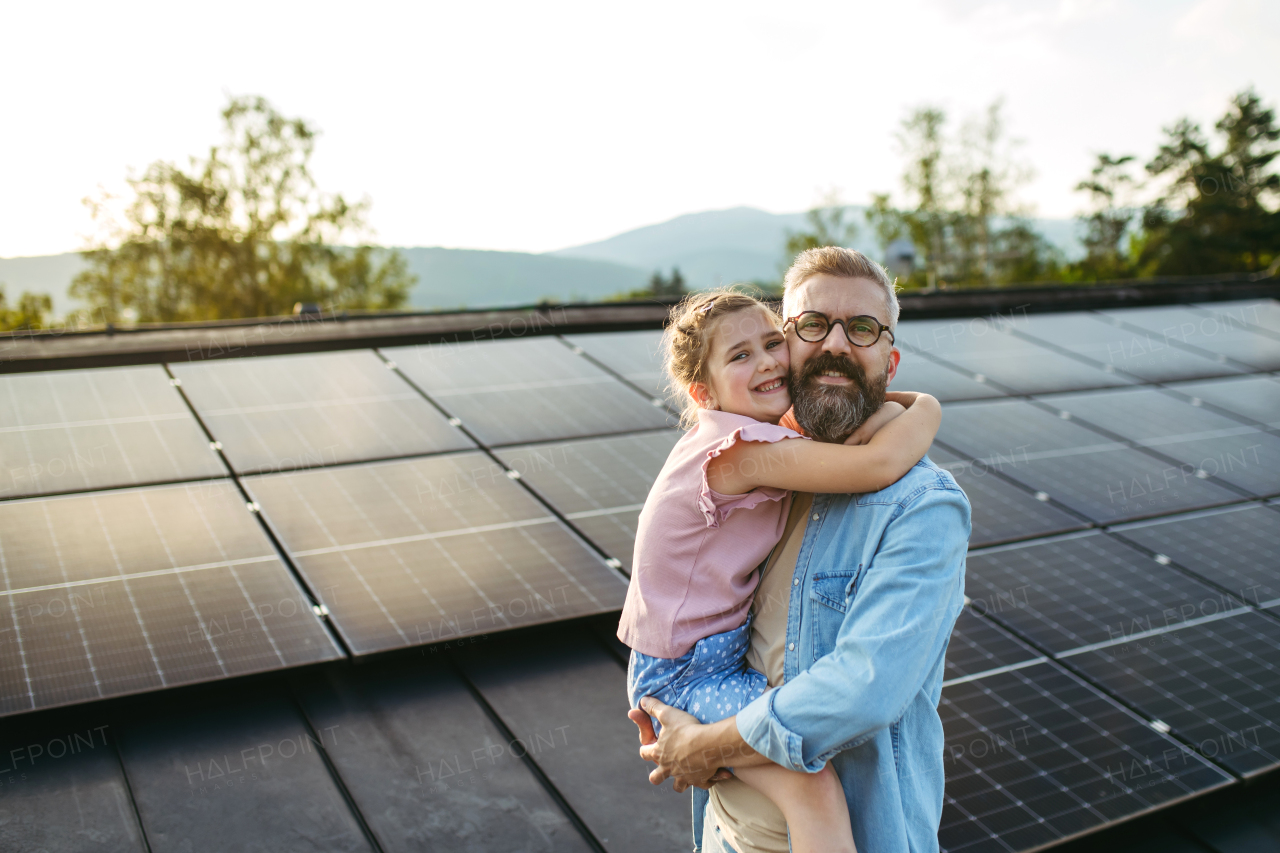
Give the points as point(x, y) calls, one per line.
point(702, 395)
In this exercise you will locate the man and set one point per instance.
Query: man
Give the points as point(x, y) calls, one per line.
point(853, 612)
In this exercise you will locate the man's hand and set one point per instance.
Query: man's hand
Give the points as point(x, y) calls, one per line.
point(687, 752)
point(872, 425)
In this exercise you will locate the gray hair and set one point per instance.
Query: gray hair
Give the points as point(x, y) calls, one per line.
point(838, 261)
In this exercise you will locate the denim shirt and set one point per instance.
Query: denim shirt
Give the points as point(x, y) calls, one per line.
point(881, 586)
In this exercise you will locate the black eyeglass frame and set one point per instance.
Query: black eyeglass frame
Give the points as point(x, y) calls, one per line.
point(844, 325)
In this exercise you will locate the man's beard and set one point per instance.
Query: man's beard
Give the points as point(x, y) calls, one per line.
point(832, 412)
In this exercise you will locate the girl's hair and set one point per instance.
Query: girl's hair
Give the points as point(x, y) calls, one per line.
point(687, 341)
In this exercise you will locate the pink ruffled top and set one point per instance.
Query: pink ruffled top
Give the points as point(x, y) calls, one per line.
point(694, 570)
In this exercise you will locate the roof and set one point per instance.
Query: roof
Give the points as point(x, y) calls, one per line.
point(361, 596)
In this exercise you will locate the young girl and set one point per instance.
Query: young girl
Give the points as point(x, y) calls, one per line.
point(718, 508)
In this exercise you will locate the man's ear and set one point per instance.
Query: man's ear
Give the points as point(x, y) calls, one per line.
point(702, 395)
point(894, 357)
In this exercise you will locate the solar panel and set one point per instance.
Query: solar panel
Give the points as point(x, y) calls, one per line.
point(1101, 479)
point(425, 765)
point(636, 356)
point(560, 679)
point(599, 484)
point(235, 771)
point(423, 550)
point(1144, 354)
point(1216, 684)
point(985, 346)
point(1234, 547)
point(1253, 397)
point(1002, 512)
point(1086, 588)
point(916, 372)
point(1210, 442)
point(77, 430)
point(535, 389)
point(979, 645)
point(121, 592)
point(63, 788)
point(299, 411)
point(1220, 336)
point(1261, 315)
point(1035, 756)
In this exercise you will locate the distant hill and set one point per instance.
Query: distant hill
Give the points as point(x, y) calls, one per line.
point(743, 244)
point(710, 248)
point(474, 278)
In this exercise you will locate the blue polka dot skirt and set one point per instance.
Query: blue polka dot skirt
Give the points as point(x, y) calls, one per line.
point(711, 681)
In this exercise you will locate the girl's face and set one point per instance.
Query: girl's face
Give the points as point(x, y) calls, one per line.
point(747, 366)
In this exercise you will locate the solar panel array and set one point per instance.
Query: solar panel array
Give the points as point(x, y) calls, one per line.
point(162, 526)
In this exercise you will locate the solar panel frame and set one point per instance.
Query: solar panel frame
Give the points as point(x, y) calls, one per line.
point(288, 412)
point(635, 356)
point(919, 372)
point(80, 430)
point(979, 645)
point(418, 551)
point(1247, 569)
point(1222, 447)
point(1139, 353)
point(1100, 478)
point(1035, 756)
point(1260, 315)
point(1190, 666)
point(524, 390)
point(1000, 511)
point(1255, 398)
point(599, 485)
point(985, 346)
point(1082, 589)
point(1219, 336)
point(103, 600)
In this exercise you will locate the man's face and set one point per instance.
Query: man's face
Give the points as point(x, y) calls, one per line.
point(835, 386)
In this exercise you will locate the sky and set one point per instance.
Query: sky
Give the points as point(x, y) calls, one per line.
point(533, 127)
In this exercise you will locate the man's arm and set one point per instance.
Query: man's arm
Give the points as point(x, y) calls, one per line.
point(898, 624)
point(896, 627)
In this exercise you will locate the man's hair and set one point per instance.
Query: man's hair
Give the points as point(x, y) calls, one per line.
point(838, 261)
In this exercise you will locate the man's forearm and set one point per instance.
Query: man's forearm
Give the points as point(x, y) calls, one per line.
point(721, 745)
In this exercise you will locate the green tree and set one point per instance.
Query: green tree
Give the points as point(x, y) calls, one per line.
point(659, 288)
point(242, 233)
point(31, 311)
point(1110, 186)
point(1217, 211)
point(827, 227)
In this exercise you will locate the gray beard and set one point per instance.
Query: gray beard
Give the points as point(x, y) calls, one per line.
point(831, 413)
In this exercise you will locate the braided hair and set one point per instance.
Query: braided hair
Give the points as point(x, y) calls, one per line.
point(687, 341)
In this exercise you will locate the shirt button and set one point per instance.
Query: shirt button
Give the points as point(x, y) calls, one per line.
point(791, 647)
point(815, 516)
point(796, 582)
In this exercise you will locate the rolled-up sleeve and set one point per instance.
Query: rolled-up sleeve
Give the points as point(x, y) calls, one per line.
point(896, 627)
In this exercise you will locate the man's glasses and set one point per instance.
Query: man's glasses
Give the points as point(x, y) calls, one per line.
point(862, 331)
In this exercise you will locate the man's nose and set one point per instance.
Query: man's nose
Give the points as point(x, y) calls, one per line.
point(837, 341)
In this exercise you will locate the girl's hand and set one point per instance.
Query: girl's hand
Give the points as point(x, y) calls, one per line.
point(872, 425)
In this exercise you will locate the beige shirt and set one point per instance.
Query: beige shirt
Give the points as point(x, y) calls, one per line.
point(748, 820)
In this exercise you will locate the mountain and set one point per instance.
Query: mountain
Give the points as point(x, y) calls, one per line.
point(710, 248)
point(743, 244)
point(474, 278)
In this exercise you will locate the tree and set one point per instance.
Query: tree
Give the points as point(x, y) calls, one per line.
point(243, 233)
point(1217, 212)
point(1109, 185)
point(827, 227)
point(31, 312)
point(659, 288)
point(960, 212)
